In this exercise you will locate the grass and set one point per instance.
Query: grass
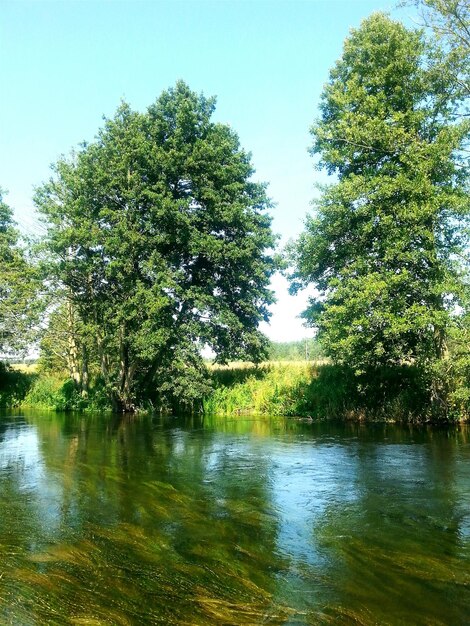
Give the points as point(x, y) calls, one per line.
point(24, 385)
point(26, 368)
point(317, 390)
point(271, 388)
point(56, 393)
point(321, 390)
point(51, 392)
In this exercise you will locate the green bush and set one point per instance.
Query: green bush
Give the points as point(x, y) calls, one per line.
point(329, 391)
point(14, 385)
point(55, 393)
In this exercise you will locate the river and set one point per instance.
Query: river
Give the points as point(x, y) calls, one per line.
point(129, 521)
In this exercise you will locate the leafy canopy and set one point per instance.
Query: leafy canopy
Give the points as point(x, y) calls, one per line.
point(161, 240)
point(18, 286)
point(383, 244)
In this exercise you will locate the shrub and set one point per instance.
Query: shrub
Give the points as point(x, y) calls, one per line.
point(14, 385)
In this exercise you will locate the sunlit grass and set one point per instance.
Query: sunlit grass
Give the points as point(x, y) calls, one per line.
point(288, 388)
point(27, 368)
point(322, 390)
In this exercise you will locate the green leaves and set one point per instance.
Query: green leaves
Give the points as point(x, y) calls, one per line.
point(381, 248)
point(19, 307)
point(162, 240)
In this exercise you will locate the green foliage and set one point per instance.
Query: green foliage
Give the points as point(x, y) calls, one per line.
point(453, 374)
point(54, 345)
point(449, 21)
point(384, 243)
point(181, 386)
point(14, 385)
point(56, 393)
point(401, 393)
point(19, 305)
point(306, 349)
point(160, 241)
point(50, 392)
point(263, 390)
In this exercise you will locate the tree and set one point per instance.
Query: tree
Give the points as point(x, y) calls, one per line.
point(161, 242)
point(384, 243)
point(18, 286)
point(65, 345)
point(307, 349)
point(449, 21)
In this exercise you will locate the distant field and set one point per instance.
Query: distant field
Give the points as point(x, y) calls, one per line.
point(27, 368)
point(266, 364)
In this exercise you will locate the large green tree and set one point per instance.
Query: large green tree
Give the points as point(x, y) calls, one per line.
point(18, 286)
point(384, 243)
point(161, 244)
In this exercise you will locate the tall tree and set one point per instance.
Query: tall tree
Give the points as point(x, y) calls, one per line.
point(383, 245)
point(18, 286)
point(161, 241)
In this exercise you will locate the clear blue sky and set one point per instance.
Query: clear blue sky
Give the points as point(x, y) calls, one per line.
point(66, 64)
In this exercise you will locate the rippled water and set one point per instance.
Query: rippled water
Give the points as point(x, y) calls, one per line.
point(165, 521)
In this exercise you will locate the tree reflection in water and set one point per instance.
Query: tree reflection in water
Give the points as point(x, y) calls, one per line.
point(124, 521)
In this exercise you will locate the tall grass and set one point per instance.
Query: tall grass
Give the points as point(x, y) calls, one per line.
point(270, 388)
point(324, 391)
point(318, 390)
point(56, 393)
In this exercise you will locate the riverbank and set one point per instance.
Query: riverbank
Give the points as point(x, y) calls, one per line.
point(316, 390)
point(321, 390)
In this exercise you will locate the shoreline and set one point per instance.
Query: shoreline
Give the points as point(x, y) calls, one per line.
point(311, 391)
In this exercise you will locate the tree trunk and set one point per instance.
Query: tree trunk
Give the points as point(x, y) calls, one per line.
point(104, 361)
point(85, 375)
point(72, 349)
point(126, 375)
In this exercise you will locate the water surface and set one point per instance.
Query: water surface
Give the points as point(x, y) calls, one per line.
point(167, 521)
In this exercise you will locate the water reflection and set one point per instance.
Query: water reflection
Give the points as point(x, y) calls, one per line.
point(121, 521)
